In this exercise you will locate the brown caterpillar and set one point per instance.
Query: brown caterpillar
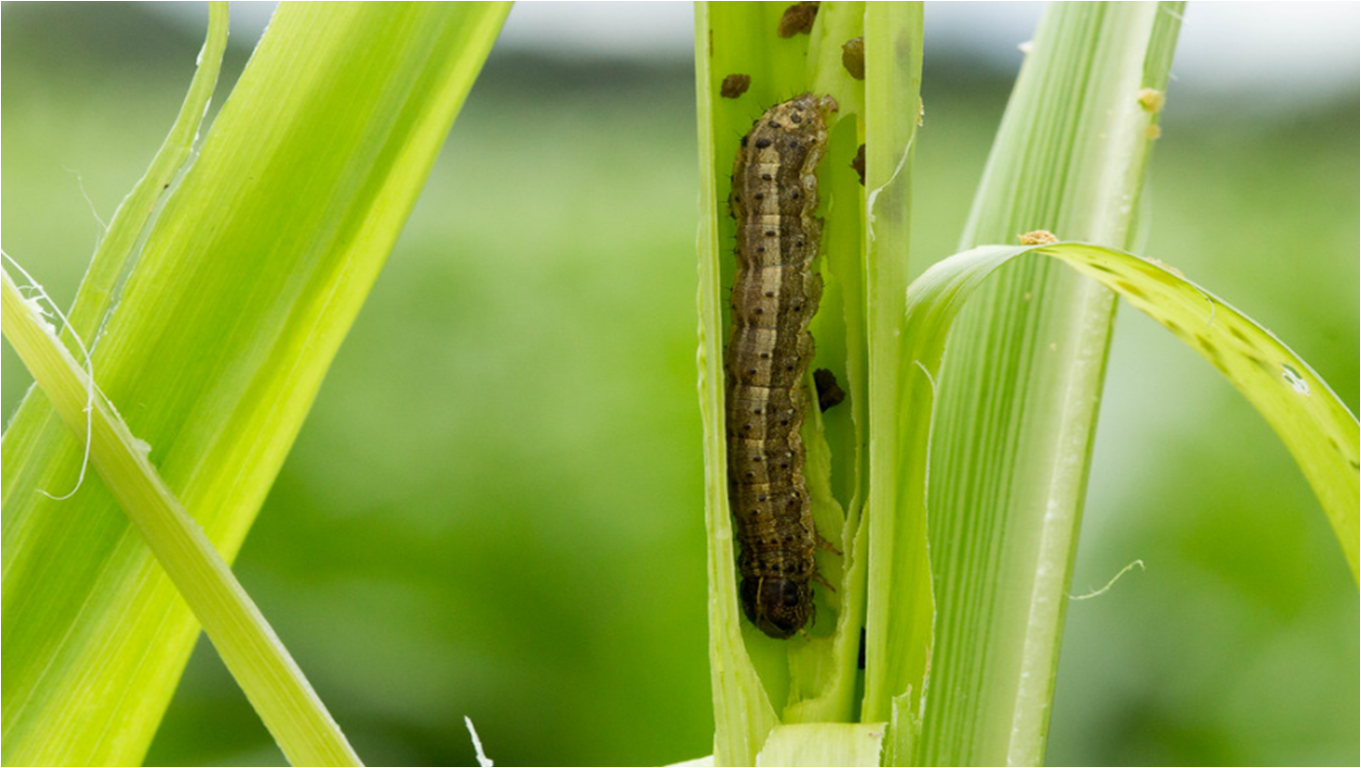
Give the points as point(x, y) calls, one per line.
point(775, 293)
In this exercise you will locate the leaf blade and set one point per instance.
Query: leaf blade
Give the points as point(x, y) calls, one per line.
point(1317, 428)
point(243, 291)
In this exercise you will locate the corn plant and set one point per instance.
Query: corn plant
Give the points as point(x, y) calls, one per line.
point(954, 485)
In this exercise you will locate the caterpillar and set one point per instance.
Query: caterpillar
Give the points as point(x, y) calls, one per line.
point(775, 293)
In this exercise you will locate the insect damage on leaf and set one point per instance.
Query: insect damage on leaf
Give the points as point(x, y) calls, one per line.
point(830, 393)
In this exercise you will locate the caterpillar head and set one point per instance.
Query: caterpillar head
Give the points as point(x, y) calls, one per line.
point(778, 607)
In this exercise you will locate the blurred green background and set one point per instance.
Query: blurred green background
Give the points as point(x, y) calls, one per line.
point(495, 507)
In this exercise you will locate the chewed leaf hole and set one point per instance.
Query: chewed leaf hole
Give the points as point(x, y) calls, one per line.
point(1294, 379)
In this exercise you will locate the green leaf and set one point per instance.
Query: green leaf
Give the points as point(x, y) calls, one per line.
point(268, 675)
point(1309, 417)
point(243, 290)
point(1016, 404)
point(1311, 420)
point(817, 744)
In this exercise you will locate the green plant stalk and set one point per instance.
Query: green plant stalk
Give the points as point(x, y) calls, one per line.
point(760, 683)
point(242, 291)
point(901, 605)
point(1017, 400)
point(248, 646)
point(743, 712)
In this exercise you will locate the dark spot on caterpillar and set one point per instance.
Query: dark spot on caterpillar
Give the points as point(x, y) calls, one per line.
point(765, 177)
point(734, 85)
point(760, 196)
point(762, 143)
point(830, 393)
point(853, 57)
point(859, 164)
point(797, 19)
